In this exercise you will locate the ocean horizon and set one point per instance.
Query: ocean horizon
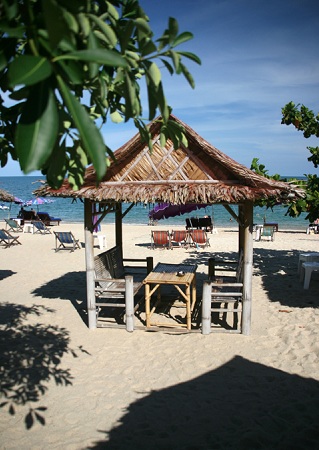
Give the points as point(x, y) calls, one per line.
point(70, 211)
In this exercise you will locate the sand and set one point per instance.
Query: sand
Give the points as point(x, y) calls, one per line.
point(67, 387)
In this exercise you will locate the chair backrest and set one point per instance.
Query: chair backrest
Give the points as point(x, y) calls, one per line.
point(101, 271)
point(194, 222)
point(12, 223)
point(65, 237)
point(205, 222)
point(268, 231)
point(4, 235)
point(38, 224)
point(113, 262)
point(199, 236)
point(179, 235)
point(160, 237)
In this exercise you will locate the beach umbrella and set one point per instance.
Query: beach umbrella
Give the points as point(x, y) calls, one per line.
point(38, 201)
point(19, 201)
point(166, 210)
point(5, 196)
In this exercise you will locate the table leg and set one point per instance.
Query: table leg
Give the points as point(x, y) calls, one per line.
point(147, 304)
point(188, 307)
point(193, 293)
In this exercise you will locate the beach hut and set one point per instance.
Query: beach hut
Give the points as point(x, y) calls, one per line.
point(194, 173)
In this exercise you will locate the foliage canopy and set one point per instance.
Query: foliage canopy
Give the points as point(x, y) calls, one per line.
point(304, 120)
point(66, 68)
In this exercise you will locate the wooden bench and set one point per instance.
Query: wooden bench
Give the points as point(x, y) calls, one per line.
point(114, 284)
point(222, 294)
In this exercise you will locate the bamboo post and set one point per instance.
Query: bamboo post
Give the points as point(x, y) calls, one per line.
point(118, 227)
point(89, 260)
point(206, 308)
point(149, 264)
point(241, 226)
point(247, 268)
point(211, 268)
point(129, 303)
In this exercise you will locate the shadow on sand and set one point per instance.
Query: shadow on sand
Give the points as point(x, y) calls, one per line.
point(30, 356)
point(241, 405)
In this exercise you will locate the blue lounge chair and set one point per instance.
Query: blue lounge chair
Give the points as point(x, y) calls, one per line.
point(65, 240)
point(7, 239)
point(40, 228)
point(12, 225)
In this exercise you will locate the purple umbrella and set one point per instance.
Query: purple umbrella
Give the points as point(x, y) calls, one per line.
point(18, 200)
point(36, 201)
point(166, 210)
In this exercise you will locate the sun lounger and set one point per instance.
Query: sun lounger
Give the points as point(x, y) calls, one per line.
point(64, 240)
point(12, 225)
point(7, 239)
point(40, 228)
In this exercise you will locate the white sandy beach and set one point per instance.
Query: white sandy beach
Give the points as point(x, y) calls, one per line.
point(109, 389)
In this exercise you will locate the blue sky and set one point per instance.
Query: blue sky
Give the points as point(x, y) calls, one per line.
point(256, 56)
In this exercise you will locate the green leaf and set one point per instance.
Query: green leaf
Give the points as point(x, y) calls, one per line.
point(152, 72)
point(57, 167)
point(112, 11)
point(143, 26)
point(84, 24)
point(55, 24)
point(168, 66)
point(100, 56)
point(172, 29)
point(106, 30)
point(176, 60)
point(92, 46)
point(191, 56)
point(183, 37)
point(116, 117)
point(188, 75)
point(90, 136)
point(28, 70)
point(37, 129)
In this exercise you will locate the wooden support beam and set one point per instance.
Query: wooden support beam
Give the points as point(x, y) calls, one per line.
point(206, 308)
point(129, 303)
point(247, 268)
point(89, 260)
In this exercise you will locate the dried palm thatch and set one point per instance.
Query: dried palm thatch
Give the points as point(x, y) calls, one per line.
point(196, 173)
point(5, 196)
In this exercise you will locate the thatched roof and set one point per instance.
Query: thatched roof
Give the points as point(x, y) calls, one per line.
point(198, 173)
point(5, 196)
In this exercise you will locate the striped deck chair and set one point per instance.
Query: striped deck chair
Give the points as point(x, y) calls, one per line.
point(64, 240)
point(199, 238)
point(12, 225)
point(180, 237)
point(160, 239)
point(40, 227)
point(7, 239)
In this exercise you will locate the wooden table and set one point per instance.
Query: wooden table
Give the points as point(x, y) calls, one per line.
point(169, 274)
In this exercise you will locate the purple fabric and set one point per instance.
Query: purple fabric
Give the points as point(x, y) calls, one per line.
point(166, 210)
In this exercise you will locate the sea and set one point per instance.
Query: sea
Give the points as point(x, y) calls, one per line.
point(73, 211)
